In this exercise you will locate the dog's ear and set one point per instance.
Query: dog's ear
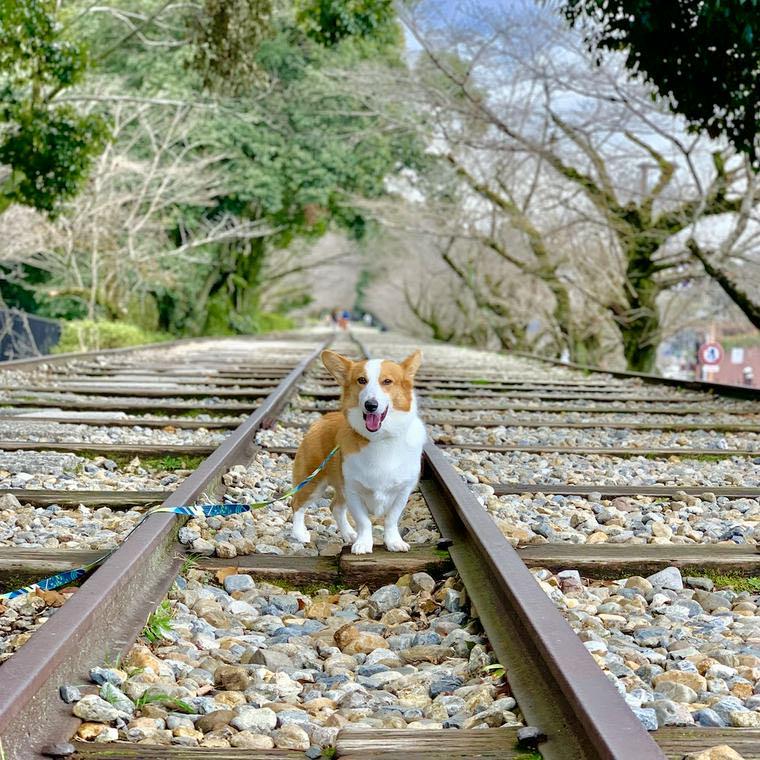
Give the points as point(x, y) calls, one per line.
point(411, 364)
point(338, 366)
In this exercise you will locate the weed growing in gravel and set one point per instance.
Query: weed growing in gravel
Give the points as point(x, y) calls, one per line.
point(159, 625)
point(497, 670)
point(109, 661)
point(163, 699)
point(117, 663)
point(189, 563)
point(171, 463)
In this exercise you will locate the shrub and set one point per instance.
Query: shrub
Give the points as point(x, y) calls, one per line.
point(87, 335)
point(269, 321)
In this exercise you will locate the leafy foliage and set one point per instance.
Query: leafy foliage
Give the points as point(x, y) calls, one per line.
point(702, 55)
point(159, 624)
point(297, 160)
point(328, 22)
point(283, 144)
point(22, 286)
point(177, 705)
point(48, 146)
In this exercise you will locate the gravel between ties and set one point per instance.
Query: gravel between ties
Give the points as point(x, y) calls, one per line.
point(69, 472)
point(44, 431)
point(595, 437)
point(600, 469)
point(260, 667)
point(680, 652)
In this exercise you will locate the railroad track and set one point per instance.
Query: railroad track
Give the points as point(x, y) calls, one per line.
point(464, 550)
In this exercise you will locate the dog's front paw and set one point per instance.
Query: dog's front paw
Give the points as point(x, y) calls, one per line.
point(362, 545)
point(301, 535)
point(397, 545)
point(349, 536)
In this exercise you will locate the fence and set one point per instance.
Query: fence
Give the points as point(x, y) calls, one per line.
point(23, 335)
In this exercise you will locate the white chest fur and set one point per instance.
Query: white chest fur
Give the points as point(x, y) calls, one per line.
point(385, 467)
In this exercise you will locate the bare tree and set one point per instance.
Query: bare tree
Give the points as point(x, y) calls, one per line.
point(111, 244)
point(586, 150)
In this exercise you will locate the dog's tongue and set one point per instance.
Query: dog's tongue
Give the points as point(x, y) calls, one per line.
point(373, 422)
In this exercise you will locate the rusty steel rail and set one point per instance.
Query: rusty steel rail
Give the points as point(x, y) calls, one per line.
point(558, 685)
point(53, 359)
point(556, 682)
point(153, 422)
point(104, 616)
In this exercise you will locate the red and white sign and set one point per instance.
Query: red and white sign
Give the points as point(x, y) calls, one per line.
point(710, 353)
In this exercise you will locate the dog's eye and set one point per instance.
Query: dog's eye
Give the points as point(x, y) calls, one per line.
point(387, 381)
point(362, 381)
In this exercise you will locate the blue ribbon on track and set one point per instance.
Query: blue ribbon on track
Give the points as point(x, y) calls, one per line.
point(191, 510)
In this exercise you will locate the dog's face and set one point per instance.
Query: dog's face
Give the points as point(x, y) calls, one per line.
point(377, 393)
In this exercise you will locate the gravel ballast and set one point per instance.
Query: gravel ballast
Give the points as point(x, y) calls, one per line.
point(260, 666)
point(680, 652)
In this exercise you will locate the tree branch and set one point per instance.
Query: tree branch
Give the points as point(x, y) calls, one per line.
point(737, 294)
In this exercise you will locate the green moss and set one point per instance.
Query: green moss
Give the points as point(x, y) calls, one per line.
point(685, 455)
point(171, 462)
point(708, 457)
point(88, 335)
point(734, 582)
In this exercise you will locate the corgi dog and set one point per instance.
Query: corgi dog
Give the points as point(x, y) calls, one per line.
point(380, 437)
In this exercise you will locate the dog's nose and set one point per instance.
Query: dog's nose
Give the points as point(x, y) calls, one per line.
point(370, 405)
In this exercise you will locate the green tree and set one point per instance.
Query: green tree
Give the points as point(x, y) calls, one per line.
point(297, 162)
point(46, 146)
point(331, 21)
point(289, 146)
point(703, 56)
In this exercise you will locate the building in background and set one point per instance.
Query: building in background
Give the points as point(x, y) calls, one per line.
point(724, 352)
point(740, 360)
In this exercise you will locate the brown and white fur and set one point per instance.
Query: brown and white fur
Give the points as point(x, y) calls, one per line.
point(381, 439)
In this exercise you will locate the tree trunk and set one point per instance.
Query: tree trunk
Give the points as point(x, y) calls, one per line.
point(639, 320)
